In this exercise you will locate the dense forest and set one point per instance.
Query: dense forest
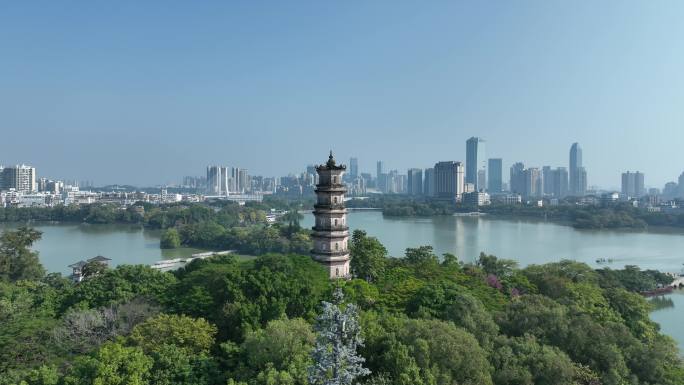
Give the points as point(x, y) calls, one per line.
point(423, 319)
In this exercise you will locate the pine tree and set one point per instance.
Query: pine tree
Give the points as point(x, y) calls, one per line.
point(336, 361)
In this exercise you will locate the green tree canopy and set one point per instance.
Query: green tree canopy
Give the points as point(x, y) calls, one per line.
point(367, 256)
point(424, 352)
point(118, 285)
point(112, 364)
point(282, 350)
point(195, 336)
point(170, 239)
point(17, 260)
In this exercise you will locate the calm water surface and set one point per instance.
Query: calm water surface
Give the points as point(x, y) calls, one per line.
point(64, 244)
point(527, 242)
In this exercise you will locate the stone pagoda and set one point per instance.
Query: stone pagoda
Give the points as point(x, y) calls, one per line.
point(330, 233)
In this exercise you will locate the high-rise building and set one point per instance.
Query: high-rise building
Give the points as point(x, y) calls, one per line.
point(533, 183)
point(380, 169)
point(581, 182)
point(367, 178)
point(495, 177)
point(681, 186)
point(639, 187)
point(517, 178)
point(560, 182)
point(311, 175)
point(475, 161)
point(330, 233)
point(243, 183)
point(21, 178)
point(548, 178)
point(482, 179)
point(383, 183)
point(429, 182)
point(449, 180)
point(578, 175)
point(633, 184)
point(353, 168)
point(218, 180)
point(415, 181)
point(670, 190)
point(400, 183)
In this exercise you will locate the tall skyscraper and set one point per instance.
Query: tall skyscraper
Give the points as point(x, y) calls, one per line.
point(495, 177)
point(429, 182)
point(548, 180)
point(475, 161)
point(242, 180)
point(20, 177)
point(681, 185)
point(380, 169)
point(330, 232)
point(449, 180)
point(578, 175)
point(353, 168)
point(633, 184)
point(517, 178)
point(415, 181)
point(217, 180)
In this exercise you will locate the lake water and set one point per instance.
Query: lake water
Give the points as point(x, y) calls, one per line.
point(528, 242)
point(64, 244)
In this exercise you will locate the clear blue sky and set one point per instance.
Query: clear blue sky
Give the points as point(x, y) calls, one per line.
point(146, 92)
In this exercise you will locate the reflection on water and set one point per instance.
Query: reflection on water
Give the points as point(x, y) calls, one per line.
point(661, 302)
point(528, 242)
point(670, 317)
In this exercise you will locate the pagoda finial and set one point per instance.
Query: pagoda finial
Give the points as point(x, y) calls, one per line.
point(331, 160)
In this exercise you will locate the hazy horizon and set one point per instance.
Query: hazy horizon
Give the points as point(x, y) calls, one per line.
point(145, 93)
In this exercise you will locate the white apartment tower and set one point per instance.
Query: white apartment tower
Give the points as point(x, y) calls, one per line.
point(20, 178)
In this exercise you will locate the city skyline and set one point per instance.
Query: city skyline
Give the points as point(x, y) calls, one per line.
point(576, 154)
point(102, 89)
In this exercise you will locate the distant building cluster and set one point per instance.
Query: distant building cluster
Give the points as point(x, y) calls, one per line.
point(477, 181)
point(633, 184)
point(480, 180)
point(20, 187)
